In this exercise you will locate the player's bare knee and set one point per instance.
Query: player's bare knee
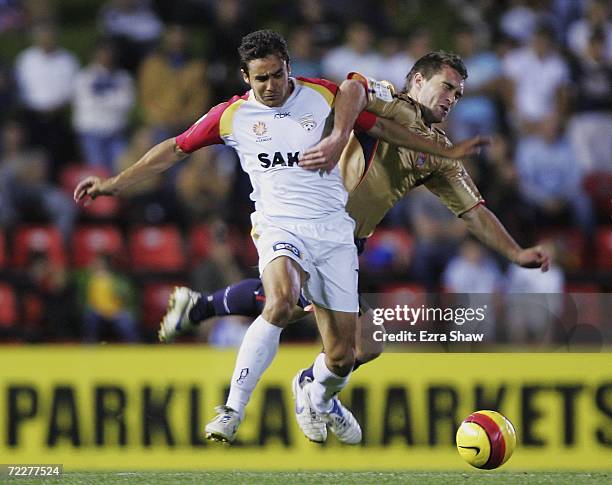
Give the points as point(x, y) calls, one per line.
point(368, 350)
point(369, 344)
point(341, 360)
point(278, 310)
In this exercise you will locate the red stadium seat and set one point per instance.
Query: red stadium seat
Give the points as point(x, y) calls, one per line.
point(87, 242)
point(248, 252)
point(413, 294)
point(200, 242)
point(8, 306)
point(3, 258)
point(43, 239)
point(388, 249)
point(102, 207)
point(599, 187)
point(585, 306)
point(156, 248)
point(603, 245)
point(407, 289)
point(582, 288)
point(154, 303)
point(33, 310)
point(570, 244)
point(390, 296)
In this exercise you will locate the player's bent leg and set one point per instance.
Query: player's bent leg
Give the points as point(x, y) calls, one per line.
point(331, 373)
point(243, 298)
point(282, 279)
point(367, 347)
point(246, 298)
point(337, 331)
point(187, 308)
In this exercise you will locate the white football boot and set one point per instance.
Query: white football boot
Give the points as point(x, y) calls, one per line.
point(176, 320)
point(310, 421)
point(342, 423)
point(225, 425)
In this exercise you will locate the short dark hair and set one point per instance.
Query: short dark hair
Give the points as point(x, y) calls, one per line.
point(433, 62)
point(260, 44)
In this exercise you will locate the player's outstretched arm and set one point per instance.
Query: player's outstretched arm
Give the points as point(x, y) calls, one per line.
point(159, 158)
point(398, 135)
point(350, 101)
point(487, 228)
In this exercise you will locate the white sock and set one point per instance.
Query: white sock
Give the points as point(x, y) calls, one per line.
point(255, 355)
point(325, 386)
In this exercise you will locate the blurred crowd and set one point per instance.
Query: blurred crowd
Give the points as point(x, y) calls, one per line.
point(140, 71)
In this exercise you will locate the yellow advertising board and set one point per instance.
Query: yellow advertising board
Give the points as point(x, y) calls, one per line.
point(131, 407)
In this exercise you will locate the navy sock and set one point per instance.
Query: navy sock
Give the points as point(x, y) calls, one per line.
point(202, 309)
point(303, 302)
point(244, 298)
point(307, 373)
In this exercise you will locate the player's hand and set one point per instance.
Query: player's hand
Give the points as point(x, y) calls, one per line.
point(324, 155)
point(470, 147)
point(90, 187)
point(534, 257)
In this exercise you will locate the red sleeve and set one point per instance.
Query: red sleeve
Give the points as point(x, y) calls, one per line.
point(365, 121)
point(205, 131)
point(330, 86)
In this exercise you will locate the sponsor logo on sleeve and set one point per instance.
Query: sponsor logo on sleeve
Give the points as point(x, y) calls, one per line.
point(381, 90)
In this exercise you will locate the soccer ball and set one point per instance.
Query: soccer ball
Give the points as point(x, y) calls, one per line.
point(486, 439)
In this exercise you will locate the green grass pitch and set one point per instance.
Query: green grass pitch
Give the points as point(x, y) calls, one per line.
point(341, 478)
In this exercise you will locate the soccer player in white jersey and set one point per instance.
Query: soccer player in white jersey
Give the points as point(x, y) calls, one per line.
point(303, 234)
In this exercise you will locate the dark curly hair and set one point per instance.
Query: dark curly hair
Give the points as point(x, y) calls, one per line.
point(260, 44)
point(433, 62)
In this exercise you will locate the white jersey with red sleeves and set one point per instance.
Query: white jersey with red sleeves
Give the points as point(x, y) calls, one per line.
point(270, 140)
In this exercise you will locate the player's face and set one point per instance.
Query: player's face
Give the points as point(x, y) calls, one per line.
point(269, 79)
point(439, 94)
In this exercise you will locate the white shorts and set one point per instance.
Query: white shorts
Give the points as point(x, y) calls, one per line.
point(325, 250)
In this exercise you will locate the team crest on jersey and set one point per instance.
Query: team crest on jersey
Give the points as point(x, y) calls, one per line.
point(260, 128)
point(308, 122)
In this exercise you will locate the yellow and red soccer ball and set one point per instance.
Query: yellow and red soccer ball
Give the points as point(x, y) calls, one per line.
point(486, 439)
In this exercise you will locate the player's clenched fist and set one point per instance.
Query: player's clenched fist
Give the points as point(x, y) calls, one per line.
point(535, 257)
point(324, 155)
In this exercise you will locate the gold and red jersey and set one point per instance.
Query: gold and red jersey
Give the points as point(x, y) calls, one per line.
point(377, 174)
